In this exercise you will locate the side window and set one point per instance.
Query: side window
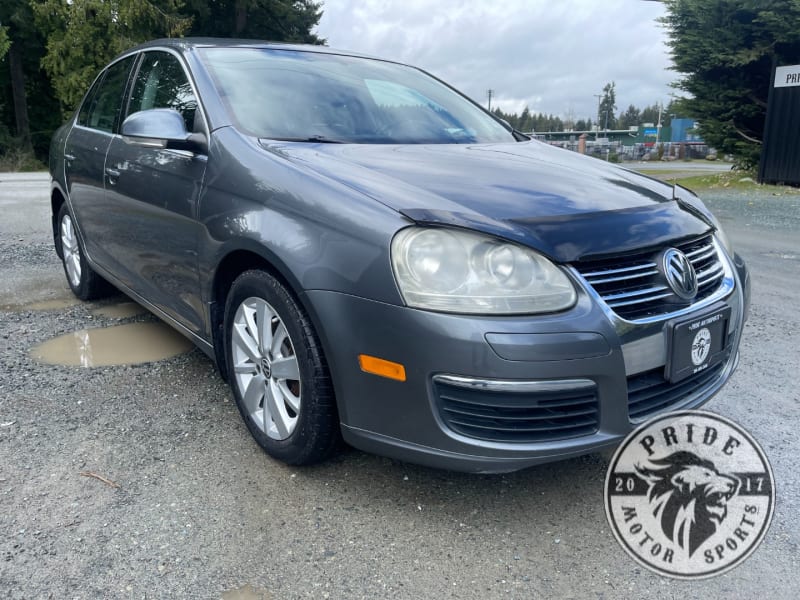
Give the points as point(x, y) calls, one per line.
point(105, 105)
point(162, 83)
point(83, 113)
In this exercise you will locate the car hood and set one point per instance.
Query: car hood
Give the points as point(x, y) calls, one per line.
point(561, 203)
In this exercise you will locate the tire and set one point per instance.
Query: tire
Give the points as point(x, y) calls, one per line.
point(278, 375)
point(82, 280)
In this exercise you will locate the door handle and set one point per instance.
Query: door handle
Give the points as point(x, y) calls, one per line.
point(69, 157)
point(113, 175)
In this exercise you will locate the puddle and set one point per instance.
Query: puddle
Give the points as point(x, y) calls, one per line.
point(123, 310)
point(247, 592)
point(128, 344)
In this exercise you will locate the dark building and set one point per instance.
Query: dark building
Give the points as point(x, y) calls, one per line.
point(780, 155)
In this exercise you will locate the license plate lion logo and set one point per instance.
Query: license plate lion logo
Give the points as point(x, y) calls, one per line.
point(689, 494)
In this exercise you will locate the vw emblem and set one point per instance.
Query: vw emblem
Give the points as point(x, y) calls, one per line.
point(680, 273)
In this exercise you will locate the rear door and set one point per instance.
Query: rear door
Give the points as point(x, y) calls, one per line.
point(152, 194)
point(85, 153)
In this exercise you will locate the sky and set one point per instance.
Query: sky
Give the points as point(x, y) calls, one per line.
point(553, 56)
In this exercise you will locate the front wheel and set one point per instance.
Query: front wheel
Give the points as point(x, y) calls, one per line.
point(277, 371)
point(83, 281)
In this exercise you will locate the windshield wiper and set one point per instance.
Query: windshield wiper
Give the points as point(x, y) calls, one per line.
point(521, 137)
point(320, 139)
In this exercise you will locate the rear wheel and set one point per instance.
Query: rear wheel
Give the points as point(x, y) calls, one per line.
point(83, 281)
point(277, 371)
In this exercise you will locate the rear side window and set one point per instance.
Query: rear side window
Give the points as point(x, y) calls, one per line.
point(103, 105)
point(83, 114)
point(162, 83)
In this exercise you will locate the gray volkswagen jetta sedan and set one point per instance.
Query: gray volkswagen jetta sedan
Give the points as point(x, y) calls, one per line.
point(367, 254)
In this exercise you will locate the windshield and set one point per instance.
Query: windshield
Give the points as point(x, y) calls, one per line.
point(308, 96)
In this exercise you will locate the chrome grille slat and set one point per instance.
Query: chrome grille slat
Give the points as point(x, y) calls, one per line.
point(639, 301)
point(592, 274)
point(709, 274)
point(610, 298)
point(701, 254)
point(653, 271)
point(634, 287)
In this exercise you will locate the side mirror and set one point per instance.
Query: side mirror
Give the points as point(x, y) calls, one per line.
point(161, 128)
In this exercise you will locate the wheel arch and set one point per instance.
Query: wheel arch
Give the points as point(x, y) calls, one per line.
point(233, 264)
point(57, 200)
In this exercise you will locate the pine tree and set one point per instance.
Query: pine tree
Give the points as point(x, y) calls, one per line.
point(725, 50)
point(608, 105)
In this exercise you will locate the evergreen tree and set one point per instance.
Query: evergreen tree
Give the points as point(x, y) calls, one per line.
point(278, 20)
point(5, 41)
point(725, 50)
point(84, 35)
point(28, 110)
point(608, 104)
point(629, 118)
point(649, 114)
point(525, 122)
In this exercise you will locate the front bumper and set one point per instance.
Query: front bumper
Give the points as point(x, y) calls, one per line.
point(582, 359)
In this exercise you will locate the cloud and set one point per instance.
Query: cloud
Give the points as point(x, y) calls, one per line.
point(551, 56)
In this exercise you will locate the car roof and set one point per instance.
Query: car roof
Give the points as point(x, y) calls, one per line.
point(189, 43)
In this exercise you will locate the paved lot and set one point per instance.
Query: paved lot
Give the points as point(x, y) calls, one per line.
point(201, 512)
point(694, 167)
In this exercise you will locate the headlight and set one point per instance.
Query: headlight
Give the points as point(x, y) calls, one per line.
point(450, 270)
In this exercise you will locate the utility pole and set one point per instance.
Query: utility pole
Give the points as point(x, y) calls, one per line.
point(489, 93)
point(658, 127)
point(597, 131)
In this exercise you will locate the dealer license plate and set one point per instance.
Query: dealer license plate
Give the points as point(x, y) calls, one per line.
point(696, 343)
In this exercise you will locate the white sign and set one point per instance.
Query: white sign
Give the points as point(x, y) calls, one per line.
point(787, 76)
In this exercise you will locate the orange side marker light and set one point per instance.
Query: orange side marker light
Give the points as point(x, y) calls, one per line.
point(383, 368)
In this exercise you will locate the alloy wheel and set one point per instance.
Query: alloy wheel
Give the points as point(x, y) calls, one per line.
point(265, 368)
point(71, 252)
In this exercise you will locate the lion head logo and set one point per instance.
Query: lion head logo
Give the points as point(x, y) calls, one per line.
point(689, 497)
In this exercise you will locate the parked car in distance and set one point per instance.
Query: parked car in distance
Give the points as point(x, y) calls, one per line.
point(367, 254)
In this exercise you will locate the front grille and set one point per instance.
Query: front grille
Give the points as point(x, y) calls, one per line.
point(522, 417)
point(649, 392)
point(633, 286)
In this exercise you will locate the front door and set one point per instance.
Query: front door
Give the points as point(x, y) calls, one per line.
point(152, 194)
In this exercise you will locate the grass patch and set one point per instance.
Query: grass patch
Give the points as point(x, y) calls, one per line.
point(730, 180)
point(659, 172)
point(16, 159)
point(741, 181)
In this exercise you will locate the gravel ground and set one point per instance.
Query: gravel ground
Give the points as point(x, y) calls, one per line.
point(200, 512)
